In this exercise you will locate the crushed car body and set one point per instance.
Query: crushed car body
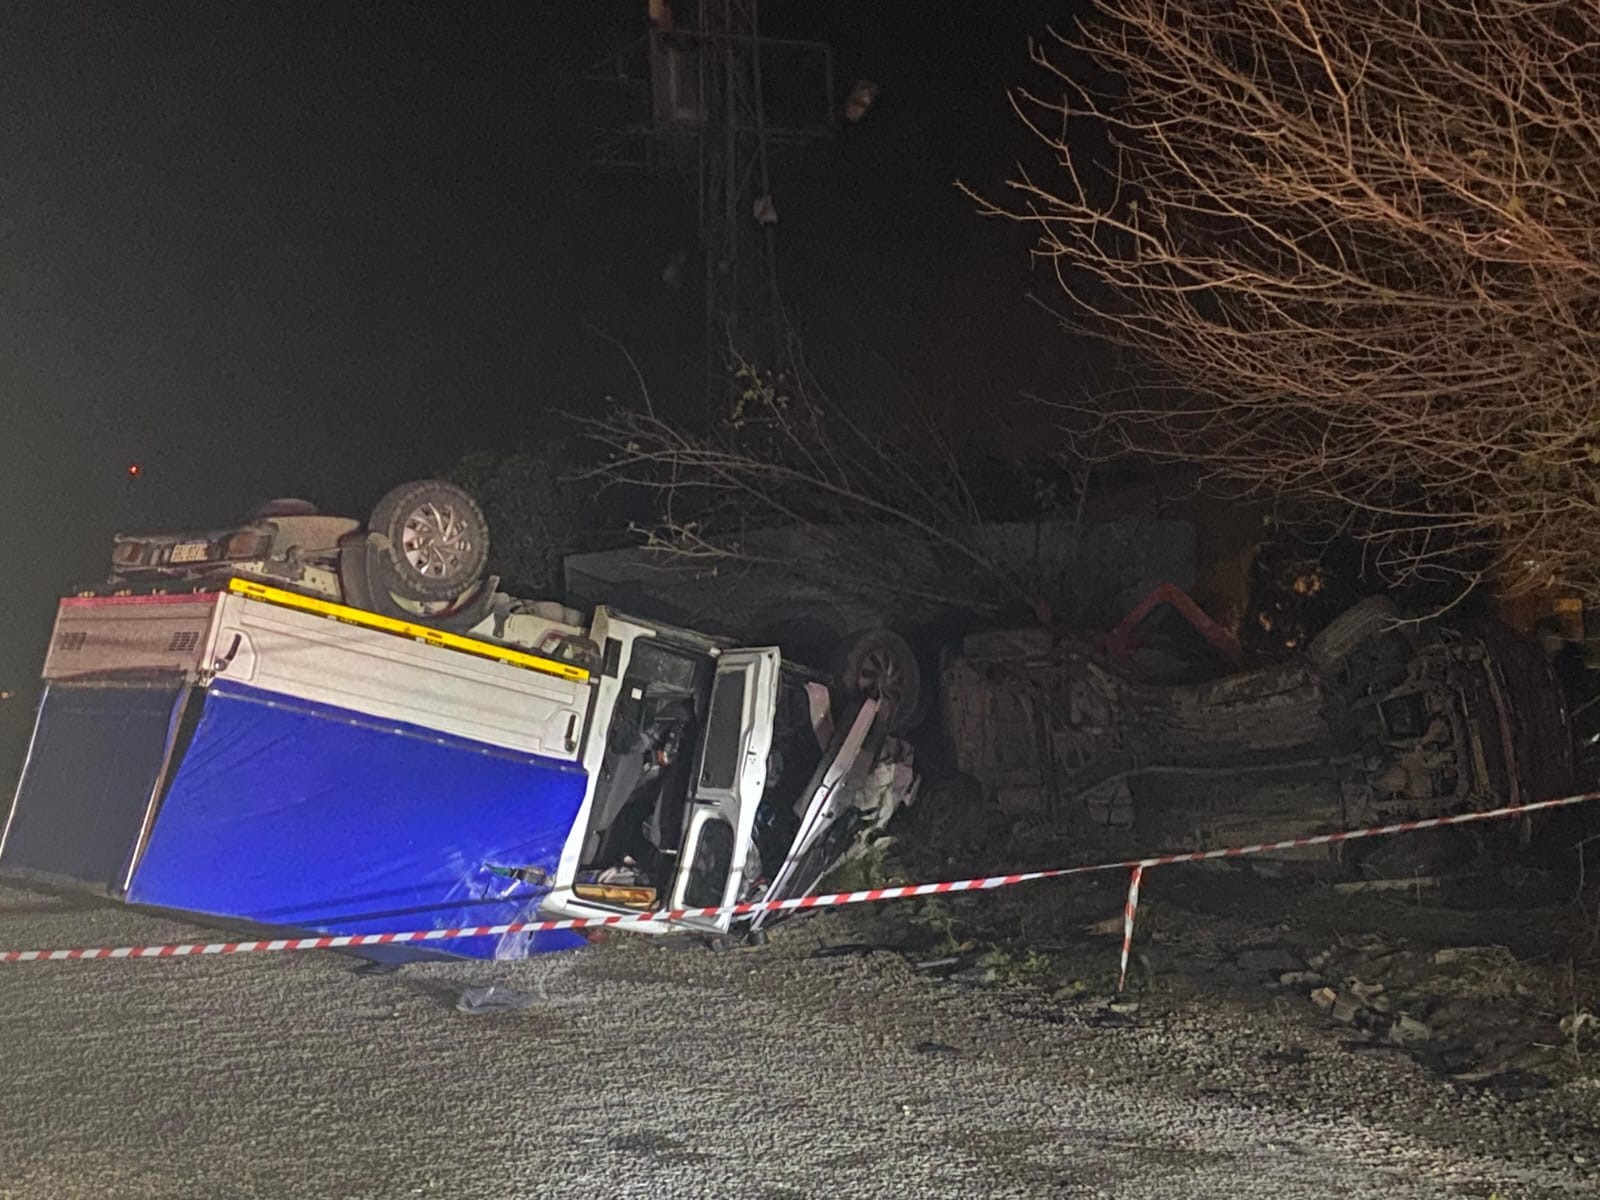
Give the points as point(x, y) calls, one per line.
point(1378, 720)
point(238, 739)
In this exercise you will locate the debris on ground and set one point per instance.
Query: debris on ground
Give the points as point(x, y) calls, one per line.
point(1488, 978)
point(492, 999)
point(1474, 1012)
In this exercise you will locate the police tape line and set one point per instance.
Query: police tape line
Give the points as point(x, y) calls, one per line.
point(1129, 911)
point(833, 900)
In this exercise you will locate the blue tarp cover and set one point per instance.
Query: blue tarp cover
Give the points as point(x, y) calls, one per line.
point(296, 814)
point(91, 770)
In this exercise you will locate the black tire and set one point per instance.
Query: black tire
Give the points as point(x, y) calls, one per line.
point(1328, 650)
point(432, 541)
point(359, 561)
point(355, 573)
point(880, 665)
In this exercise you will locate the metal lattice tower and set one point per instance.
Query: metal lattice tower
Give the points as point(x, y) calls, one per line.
point(743, 311)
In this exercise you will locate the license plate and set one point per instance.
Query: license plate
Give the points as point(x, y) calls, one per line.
point(188, 552)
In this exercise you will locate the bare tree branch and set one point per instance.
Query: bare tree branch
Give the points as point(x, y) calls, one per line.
point(1361, 241)
point(879, 499)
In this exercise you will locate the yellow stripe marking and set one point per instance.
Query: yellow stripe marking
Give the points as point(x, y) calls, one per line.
point(251, 590)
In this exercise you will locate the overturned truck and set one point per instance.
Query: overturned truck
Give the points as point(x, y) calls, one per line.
point(1379, 719)
point(311, 725)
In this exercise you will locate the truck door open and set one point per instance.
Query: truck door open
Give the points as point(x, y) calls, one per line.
point(730, 775)
point(828, 799)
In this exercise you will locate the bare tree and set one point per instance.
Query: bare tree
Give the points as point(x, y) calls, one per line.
point(791, 479)
point(1361, 241)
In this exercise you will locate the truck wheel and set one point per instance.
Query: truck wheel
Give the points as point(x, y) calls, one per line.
point(432, 541)
point(880, 665)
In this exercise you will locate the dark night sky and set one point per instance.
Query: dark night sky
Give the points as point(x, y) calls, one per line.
point(274, 249)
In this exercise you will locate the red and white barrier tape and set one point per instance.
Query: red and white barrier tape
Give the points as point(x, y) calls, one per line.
point(1128, 910)
point(869, 895)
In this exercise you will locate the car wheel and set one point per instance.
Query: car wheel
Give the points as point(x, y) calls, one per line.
point(1348, 630)
point(432, 541)
point(880, 665)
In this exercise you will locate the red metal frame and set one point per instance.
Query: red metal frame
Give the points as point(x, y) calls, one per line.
point(1121, 640)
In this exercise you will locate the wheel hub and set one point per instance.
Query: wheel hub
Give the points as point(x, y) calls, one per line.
point(436, 542)
point(880, 678)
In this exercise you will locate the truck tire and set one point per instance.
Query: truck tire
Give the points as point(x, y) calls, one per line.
point(1328, 650)
point(359, 562)
point(880, 665)
point(431, 541)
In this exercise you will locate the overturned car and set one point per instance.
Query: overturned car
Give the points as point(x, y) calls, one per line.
point(1379, 720)
point(306, 723)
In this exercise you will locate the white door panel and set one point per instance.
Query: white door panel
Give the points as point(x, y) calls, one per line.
point(730, 775)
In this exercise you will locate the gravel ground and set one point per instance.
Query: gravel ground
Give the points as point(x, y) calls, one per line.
point(650, 1071)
